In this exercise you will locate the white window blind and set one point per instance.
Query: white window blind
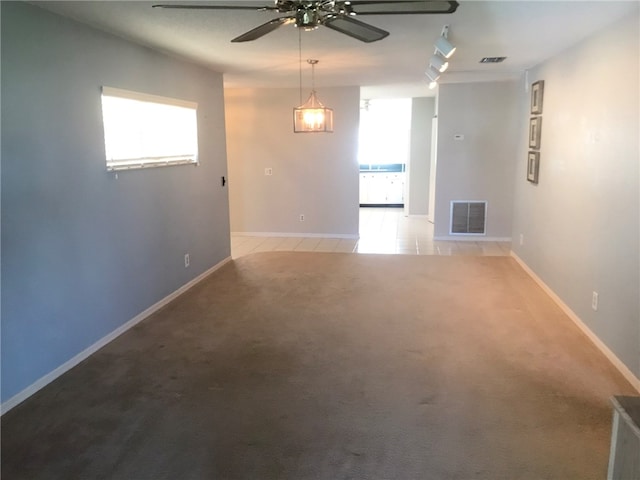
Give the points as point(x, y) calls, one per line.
point(142, 130)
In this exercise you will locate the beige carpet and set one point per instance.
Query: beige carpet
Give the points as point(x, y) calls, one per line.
point(332, 366)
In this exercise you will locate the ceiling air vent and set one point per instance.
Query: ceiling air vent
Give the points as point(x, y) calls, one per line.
point(468, 218)
point(493, 59)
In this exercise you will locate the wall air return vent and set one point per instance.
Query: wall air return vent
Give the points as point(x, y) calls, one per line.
point(468, 218)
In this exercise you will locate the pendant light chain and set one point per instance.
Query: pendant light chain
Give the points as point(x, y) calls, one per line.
point(313, 75)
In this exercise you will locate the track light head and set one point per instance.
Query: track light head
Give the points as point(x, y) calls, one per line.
point(439, 63)
point(432, 74)
point(445, 48)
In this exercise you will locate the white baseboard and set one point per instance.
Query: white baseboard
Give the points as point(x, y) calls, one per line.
point(471, 238)
point(69, 364)
point(296, 235)
point(622, 368)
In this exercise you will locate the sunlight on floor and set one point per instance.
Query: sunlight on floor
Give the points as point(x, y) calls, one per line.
point(382, 230)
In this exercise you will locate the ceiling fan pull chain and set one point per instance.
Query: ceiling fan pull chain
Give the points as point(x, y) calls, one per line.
point(300, 60)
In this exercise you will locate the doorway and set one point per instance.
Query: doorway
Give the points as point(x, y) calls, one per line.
point(384, 143)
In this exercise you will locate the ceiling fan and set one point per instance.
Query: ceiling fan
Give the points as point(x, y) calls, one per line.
point(337, 15)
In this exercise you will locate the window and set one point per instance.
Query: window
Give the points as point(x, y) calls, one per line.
point(143, 130)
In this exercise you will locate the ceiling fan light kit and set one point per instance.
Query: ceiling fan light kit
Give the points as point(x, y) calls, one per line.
point(307, 19)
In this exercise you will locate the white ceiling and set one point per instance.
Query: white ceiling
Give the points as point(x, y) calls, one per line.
point(526, 32)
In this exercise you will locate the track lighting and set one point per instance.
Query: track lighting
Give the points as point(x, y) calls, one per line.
point(432, 74)
point(444, 47)
point(439, 63)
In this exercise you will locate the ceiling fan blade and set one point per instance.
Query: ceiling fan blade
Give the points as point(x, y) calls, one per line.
point(215, 7)
point(355, 28)
point(402, 7)
point(264, 29)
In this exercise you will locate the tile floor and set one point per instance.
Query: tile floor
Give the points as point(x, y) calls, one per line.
point(382, 230)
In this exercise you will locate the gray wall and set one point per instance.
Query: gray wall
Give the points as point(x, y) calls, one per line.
point(422, 111)
point(482, 166)
point(313, 174)
point(83, 252)
point(580, 223)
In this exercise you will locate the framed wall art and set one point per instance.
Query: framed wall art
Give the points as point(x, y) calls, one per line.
point(537, 94)
point(535, 129)
point(533, 166)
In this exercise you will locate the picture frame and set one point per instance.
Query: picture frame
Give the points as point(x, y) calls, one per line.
point(533, 166)
point(537, 96)
point(535, 129)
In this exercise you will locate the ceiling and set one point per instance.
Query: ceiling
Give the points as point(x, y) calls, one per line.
point(526, 32)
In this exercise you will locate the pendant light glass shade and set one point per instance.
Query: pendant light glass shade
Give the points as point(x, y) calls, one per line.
point(312, 116)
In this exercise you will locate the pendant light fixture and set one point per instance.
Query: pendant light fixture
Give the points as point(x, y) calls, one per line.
point(312, 116)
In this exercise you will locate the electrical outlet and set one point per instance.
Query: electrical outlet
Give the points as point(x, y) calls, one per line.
point(302, 218)
point(268, 172)
point(521, 239)
point(187, 260)
point(594, 301)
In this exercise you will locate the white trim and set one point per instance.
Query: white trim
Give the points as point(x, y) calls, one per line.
point(295, 235)
point(69, 364)
point(141, 163)
point(622, 368)
point(147, 97)
point(614, 441)
point(470, 238)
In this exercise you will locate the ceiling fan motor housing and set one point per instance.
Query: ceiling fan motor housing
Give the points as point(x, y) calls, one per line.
point(307, 18)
